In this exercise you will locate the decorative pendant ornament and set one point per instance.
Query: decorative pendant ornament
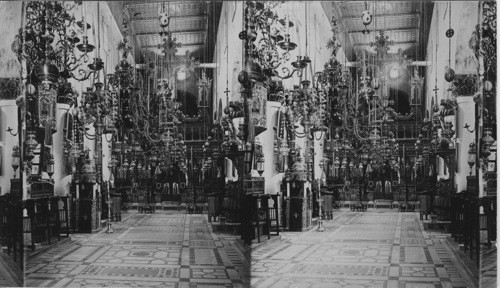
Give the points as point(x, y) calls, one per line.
point(449, 75)
point(367, 19)
point(450, 32)
point(164, 20)
point(242, 35)
point(488, 86)
point(243, 78)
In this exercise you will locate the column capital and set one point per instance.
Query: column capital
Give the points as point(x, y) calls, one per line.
point(465, 99)
point(464, 84)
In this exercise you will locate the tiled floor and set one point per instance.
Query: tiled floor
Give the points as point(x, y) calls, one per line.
point(164, 249)
point(360, 249)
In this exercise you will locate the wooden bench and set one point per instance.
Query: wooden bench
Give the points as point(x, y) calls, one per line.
point(346, 203)
point(170, 205)
point(360, 207)
point(158, 206)
point(406, 207)
point(415, 204)
point(182, 206)
point(382, 203)
point(194, 209)
point(146, 209)
point(234, 226)
point(438, 225)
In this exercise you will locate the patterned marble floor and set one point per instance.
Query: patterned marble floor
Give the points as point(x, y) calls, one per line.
point(360, 249)
point(164, 249)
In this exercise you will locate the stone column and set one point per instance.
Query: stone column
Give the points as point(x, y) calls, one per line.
point(61, 185)
point(465, 115)
point(266, 139)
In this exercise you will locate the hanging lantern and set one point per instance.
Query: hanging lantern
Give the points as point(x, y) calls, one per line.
point(360, 167)
point(369, 168)
point(260, 165)
point(125, 164)
point(488, 141)
point(471, 159)
point(16, 159)
point(31, 142)
point(344, 163)
point(50, 166)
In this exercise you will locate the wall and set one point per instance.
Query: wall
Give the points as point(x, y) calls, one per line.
point(464, 17)
point(463, 21)
point(9, 67)
point(228, 54)
point(11, 22)
point(230, 64)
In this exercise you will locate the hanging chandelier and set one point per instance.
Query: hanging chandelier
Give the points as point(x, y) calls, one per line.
point(151, 141)
point(50, 42)
point(268, 43)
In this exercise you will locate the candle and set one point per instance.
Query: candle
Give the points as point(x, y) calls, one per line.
point(287, 24)
point(84, 23)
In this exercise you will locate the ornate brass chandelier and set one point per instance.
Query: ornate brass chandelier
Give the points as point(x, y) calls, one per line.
point(268, 42)
point(151, 142)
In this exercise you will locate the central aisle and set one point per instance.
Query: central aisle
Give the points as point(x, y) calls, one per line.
point(360, 249)
point(164, 249)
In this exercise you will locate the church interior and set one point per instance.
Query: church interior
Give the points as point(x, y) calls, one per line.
point(248, 144)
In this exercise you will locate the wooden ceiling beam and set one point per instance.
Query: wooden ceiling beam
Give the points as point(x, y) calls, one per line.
point(149, 2)
point(395, 43)
point(183, 45)
point(412, 14)
point(386, 30)
point(203, 16)
point(193, 31)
